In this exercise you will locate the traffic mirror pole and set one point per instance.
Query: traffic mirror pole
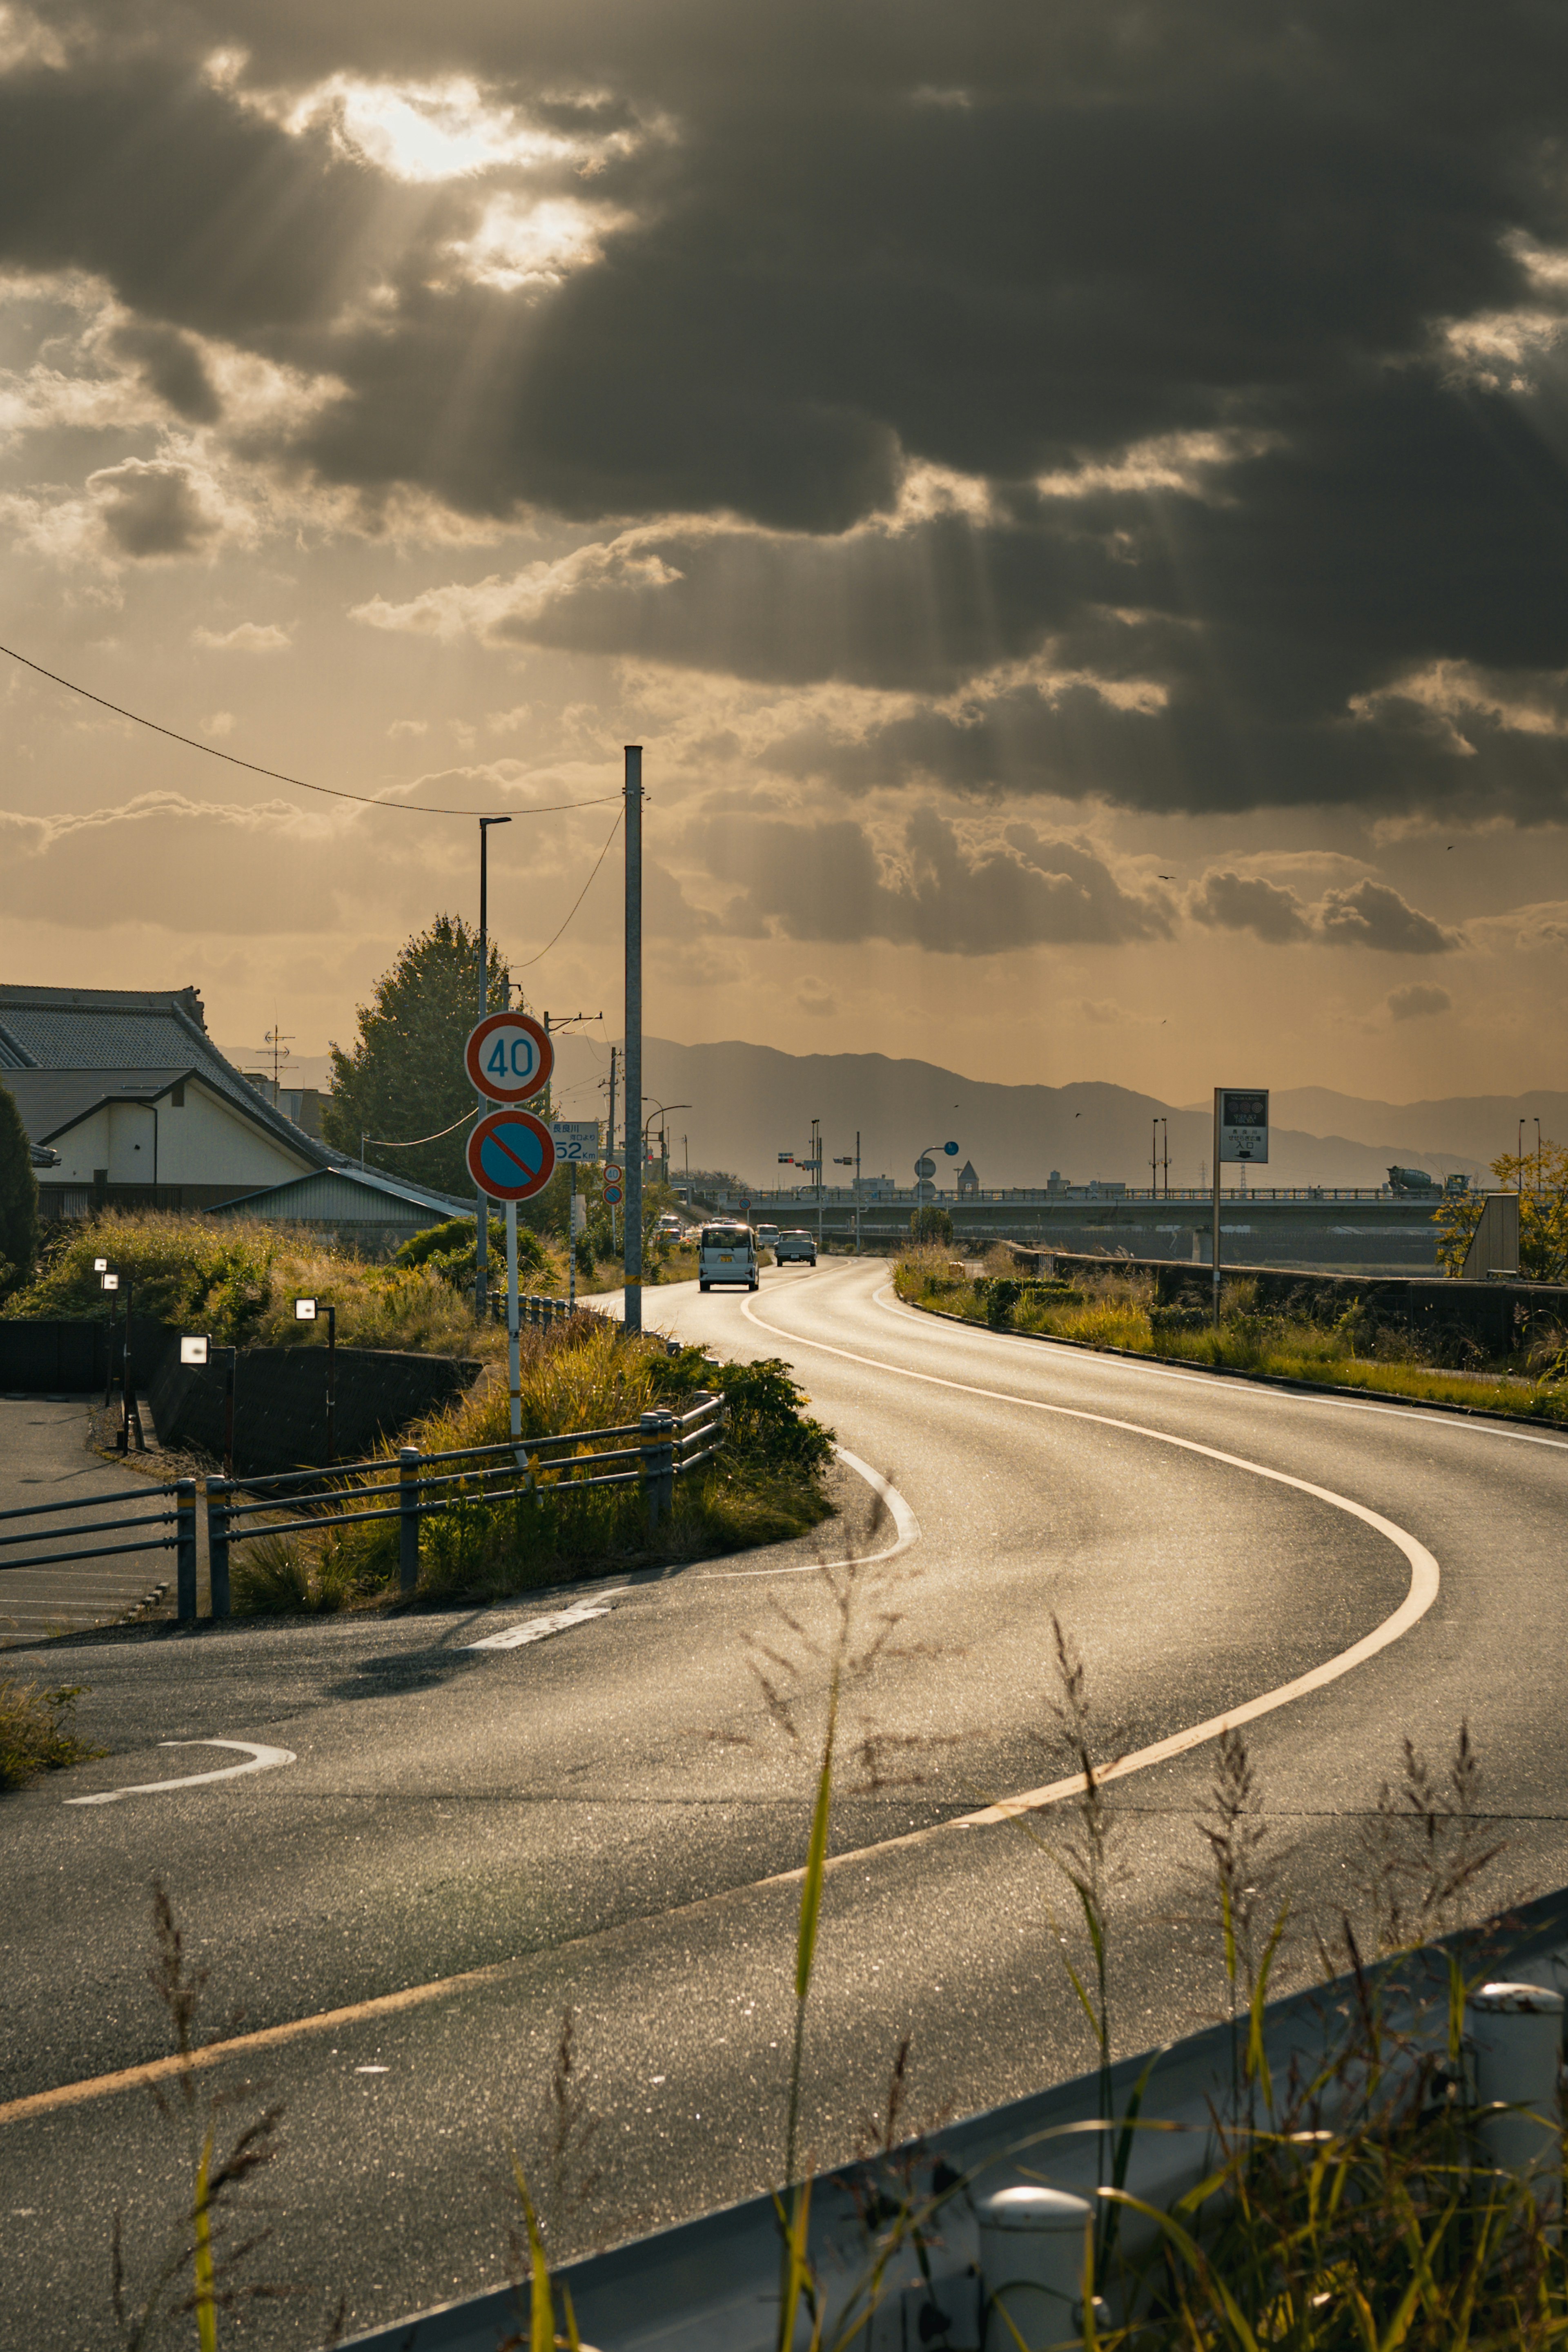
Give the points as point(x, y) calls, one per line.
point(633, 1261)
point(1215, 1253)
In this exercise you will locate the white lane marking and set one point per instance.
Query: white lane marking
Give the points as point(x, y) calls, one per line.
point(1164, 1369)
point(539, 1629)
point(261, 1760)
point(904, 1520)
point(1425, 1578)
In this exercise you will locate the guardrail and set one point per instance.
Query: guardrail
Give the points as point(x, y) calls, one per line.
point(408, 1487)
point(179, 1535)
point(411, 1486)
point(712, 2284)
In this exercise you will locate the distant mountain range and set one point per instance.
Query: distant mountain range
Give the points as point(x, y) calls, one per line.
point(747, 1103)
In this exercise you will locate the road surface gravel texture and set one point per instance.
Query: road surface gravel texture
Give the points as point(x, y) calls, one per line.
point(593, 1818)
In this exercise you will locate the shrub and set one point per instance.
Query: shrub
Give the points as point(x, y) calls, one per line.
point(36, 1732)
point(931, 1223)
point(19, 1197)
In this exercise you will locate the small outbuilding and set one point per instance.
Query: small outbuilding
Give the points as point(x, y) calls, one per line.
point(359, 1208)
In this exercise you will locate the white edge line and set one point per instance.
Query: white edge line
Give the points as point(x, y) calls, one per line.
point(539, 1629)
point(1425, 1578)
point(904, 1520)
point(261, 1760)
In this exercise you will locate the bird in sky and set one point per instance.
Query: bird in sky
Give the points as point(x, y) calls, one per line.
point(1165, 877)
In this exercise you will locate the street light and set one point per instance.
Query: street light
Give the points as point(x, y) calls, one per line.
point(482, 1254)
point(855, 1164)
point(306, 1310)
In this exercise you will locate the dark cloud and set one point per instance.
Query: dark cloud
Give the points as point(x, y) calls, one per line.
point(152, 507)
point(172, 366)
point(1367, 915)
point(1011, 243)
point(1236, 902)
point(1373, 916)
point(1418, 1002)
point(825, 881)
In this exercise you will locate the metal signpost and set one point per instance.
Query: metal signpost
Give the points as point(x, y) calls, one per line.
point(509, 1057)
point(925, 1169)
point(1240, 1132)
point(576, 1142)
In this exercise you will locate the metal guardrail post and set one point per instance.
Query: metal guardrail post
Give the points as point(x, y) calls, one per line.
point(658, 1441)
point(408, 1517)
point(218, 1493)
point(186, 1549)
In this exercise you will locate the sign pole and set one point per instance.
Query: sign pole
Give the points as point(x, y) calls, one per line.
point(632, 1260)
point(514, 1362)
point(571, 1246)
point(1216, 1251)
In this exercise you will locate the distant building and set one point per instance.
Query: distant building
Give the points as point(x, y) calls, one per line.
point(969, 1182)
point(137, 1104)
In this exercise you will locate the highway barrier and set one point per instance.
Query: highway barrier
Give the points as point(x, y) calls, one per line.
point(987, 2216)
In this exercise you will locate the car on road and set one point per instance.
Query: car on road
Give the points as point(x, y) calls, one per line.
point(726, 1254)
point(795, 1246)
point(766, 1237)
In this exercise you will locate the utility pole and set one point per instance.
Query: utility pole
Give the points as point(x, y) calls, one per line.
point(817, 1171)
point(610, 1134)
point(632, 1260)
point(482, 1200)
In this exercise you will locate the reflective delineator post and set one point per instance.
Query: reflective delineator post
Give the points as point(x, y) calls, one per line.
point(186, 1550)
point(1516, 2033)
point(1032, 2245)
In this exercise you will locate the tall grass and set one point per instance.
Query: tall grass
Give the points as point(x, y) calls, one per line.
point(765, 1484)
point(1118, 1308)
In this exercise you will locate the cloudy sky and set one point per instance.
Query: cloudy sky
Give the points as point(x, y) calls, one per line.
point(1069, 494)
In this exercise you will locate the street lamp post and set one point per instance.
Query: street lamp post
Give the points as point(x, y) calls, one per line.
point(481, 1207)
point(855, 1164)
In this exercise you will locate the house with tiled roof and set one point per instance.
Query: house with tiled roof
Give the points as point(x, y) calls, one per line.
point(126, 1091)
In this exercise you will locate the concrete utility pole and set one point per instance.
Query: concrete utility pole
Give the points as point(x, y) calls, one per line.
point(610, 1135)
point(482, 1200)
point(632, 1260)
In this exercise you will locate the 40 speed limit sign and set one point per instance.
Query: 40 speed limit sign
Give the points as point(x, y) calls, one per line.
point(509, 1057)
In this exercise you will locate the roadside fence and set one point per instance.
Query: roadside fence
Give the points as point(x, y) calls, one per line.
point(411, 1486)
point(174, 1515)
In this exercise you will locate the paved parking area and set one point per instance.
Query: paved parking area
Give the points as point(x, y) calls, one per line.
point(45, 1458)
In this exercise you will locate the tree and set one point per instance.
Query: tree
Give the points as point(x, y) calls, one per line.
point(18, 1198)
point(405, 1076)
point(1543, 1215)
point(931, 1223)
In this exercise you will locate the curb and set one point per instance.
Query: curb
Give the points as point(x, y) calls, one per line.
point(1260, 1379)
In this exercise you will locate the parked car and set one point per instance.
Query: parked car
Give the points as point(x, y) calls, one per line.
point(794, 1246)
point(726, 1254)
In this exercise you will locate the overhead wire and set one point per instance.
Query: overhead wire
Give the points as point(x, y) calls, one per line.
point(582, 894)
point(277, 775)
point(414, 1141)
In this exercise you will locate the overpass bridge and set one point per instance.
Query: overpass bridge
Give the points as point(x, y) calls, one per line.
point(1314, 1228)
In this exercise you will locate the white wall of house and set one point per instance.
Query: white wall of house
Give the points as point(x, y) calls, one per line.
point(204, 1140)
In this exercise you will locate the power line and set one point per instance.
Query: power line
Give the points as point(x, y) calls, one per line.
point(582, 894)
point(415, 1141)
point(275, 776)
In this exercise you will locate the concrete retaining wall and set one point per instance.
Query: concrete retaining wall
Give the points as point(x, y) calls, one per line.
point(60, 1357)
point(280, 1402)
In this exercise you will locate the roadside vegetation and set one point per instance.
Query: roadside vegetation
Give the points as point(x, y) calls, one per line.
point(767, 1484)
point(236, 1279)
point(1338, 1346)
point(37, 1733)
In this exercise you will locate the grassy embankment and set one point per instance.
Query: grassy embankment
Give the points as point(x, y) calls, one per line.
point(1346, 1350)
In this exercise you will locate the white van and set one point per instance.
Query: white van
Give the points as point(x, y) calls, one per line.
point(726, 1254)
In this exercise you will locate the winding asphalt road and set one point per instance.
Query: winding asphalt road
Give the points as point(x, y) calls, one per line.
point(607, 1817)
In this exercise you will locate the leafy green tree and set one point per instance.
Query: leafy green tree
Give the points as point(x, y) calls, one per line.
point(404, 1076)
point(931, 1223)
point(18, 1198)
point(1542, 1179)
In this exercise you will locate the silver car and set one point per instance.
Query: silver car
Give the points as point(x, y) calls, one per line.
point(792, 1248)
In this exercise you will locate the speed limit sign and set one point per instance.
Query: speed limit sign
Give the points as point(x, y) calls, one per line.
point(509, 1057)
point(611, 1173)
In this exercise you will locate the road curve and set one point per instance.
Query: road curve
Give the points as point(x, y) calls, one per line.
point(468, 1838)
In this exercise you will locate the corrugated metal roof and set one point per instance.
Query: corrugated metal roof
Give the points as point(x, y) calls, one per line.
point(347, 1193)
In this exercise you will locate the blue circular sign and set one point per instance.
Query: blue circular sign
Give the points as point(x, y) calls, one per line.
point(510, 1155)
